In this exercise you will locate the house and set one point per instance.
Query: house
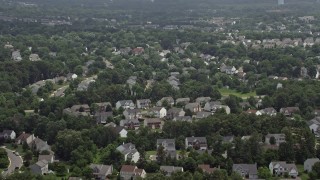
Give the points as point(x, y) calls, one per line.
point(129, 172)
point(314, 126)
point(103, 106)
point(132, 124)
point(78, 110)
point(168, 170)
point(308, 164)
point(41, 167)
point(227, 139)
point(143, 103)
point(175, 112)
point(137, 51)
point(278, 139)
point(183, 118)
point(153, 123)
point(168, 100)
point(110, 124)
point(8, 134)
point(246, 170)
point(34, 57)
point(253, 111)
point(49, 158)
point(101, 171)
point(244, 105)
point(216, 105)
point(129, 151)
point(193, 107)
point(102, 117)
point(39, 145)
point(206, 168)
point(230, 70)
point(25, 138)
point(289, 111)
point(201, 115)
point(203, 100)
point(132, 114)
point(182, 101)
point(169, 146)
point(196, 143)
point(125, 104)
point(281, 168)
point(132, 80)
point(268, 111)
point(121, 131)
point(16, 56)
point(158, 112)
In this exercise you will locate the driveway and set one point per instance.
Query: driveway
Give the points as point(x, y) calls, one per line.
point(15, 161)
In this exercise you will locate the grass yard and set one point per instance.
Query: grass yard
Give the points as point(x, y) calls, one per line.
point(227, 92)
point(149, 153)
point(302, 174)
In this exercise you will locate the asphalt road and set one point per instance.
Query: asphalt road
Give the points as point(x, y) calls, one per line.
point(15, 161)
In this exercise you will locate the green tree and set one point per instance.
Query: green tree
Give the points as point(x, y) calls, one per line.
point(264, 173)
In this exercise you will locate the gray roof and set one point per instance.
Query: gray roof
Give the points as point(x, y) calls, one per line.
point(248, 168)
point(311, 161)
point(194, 139)
point(168, 144)
point(203, 114)
point(125, 102)
point(277, 136)
point(170, 169)
point(127, 149)
point(101, 169)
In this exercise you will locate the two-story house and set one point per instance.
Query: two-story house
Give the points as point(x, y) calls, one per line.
point(158, 112)
point(153, 123)
point(41, 167)
point(101, 171)
point(193, 107)
point(277, 138)
point(281, 168)
point(132, 113)
point(131, 124)
point(129, 172)
point(143, 103)
point(196, 143)
point(246, 170)
point(129, 152)
point(125, 104)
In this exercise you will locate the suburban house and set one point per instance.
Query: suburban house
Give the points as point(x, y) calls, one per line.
point(132, 114)
point(193, 107)
point(34, 57)
point(143, 103)
point(230, 70)
point(206, 168)
point(41, 167)
point(196, 143)
point(129, 151)
point(249, 171)
point(137, 51)
point(268, 111)
point(39, 145)
point(175, 112)
point(214, 106)
point(129, 172)
point(8, 134)
point(101, 171)
point(125, 104)
point(169, 146)
point(227, 139)
point(102, 117)
point(158, 112)
point(183, 118)
point(168, 100)
point(203, 100)
point(49, 158)
point(308, 164)
point(153, 123)
point(78, 110)
point(289, 111)
point(121, 131)
point(314, 126)
point(202, 114)
point(281, 168)
point(25, 138)
point(182, 101)
point(131, 124)
point(16, 56)
point(168, 170)
point(102, 107)
point(278, 139)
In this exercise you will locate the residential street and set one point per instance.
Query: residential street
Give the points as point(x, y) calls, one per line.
point(15, 161)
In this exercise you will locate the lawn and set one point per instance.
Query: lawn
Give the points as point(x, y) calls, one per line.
point(19, 149)
point(227, 92)
point(302, 174)
point(149, 153)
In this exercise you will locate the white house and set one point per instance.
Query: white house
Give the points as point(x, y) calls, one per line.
point(129, 151)
point(158, 112)
point(281, 168)
point(125, 104)
point(121, 131)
